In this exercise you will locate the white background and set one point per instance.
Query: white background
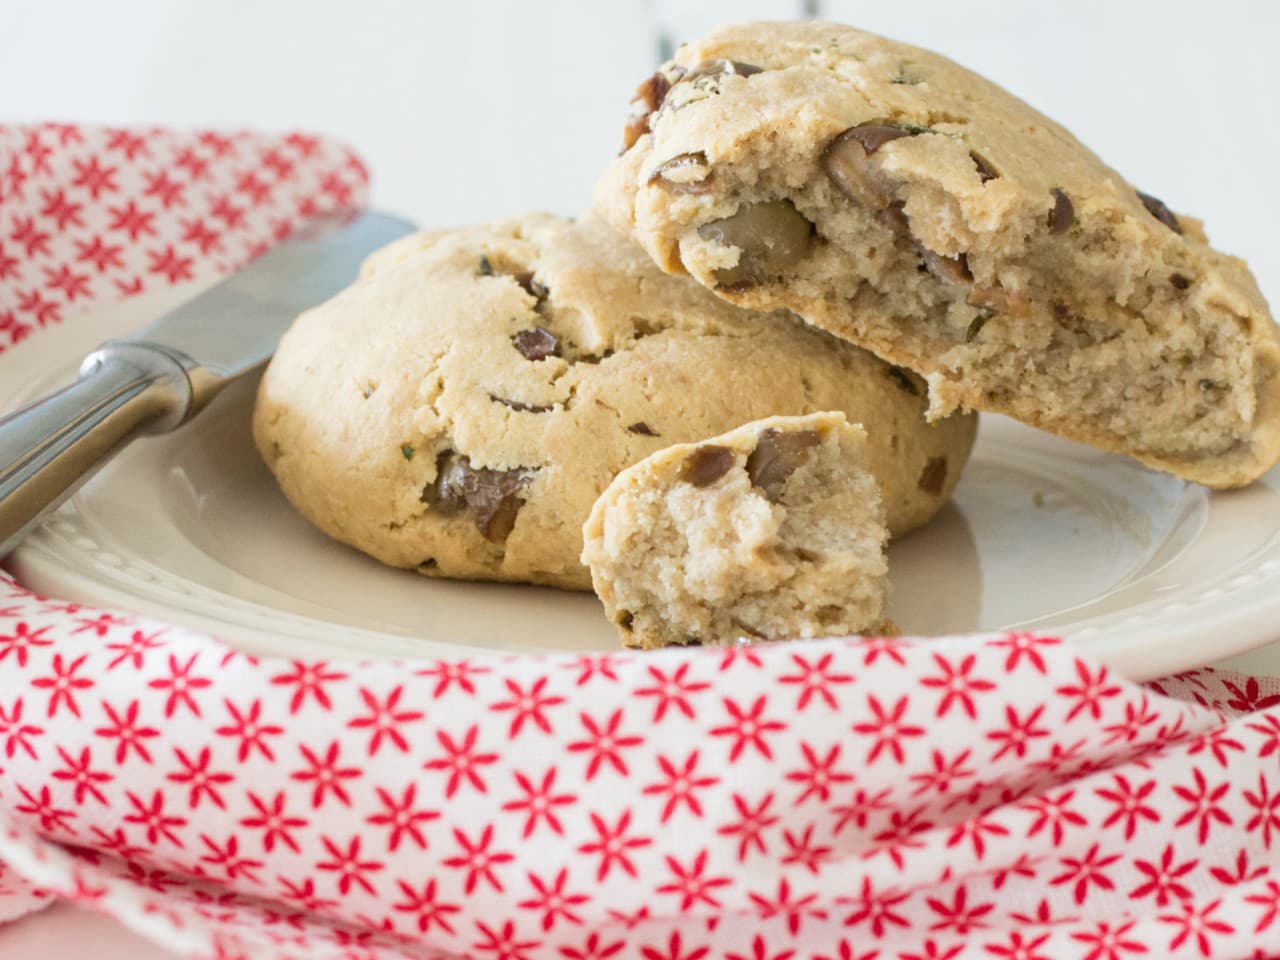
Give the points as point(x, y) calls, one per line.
point(478, 110)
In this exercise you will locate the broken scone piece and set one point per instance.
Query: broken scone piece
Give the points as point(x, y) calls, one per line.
point(912, 207)
point(772, 531)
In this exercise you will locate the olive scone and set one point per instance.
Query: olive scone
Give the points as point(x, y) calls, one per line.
point(461, 406)
point(912, 207)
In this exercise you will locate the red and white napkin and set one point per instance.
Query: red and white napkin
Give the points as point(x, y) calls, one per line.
point(991, 796)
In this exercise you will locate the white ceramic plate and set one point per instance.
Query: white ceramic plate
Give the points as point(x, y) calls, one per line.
point(1147, 573)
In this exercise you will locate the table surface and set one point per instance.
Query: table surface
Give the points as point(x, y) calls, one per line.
point(1153, 108)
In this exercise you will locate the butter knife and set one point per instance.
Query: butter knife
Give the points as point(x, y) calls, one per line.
point(161, 377)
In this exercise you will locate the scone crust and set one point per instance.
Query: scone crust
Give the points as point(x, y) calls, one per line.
point(983, 184)
point(371, 394)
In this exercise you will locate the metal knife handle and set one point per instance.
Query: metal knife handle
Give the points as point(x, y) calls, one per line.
point(49, 448)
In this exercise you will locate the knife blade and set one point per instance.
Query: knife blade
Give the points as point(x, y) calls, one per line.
point(235, 324)
point(162, 376)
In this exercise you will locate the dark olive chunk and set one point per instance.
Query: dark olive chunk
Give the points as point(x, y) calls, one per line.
point(643, 429)
point(706, 465)
point(520, 405)
point(904, 77)
point(531, 285)
point(502, 520)
point(683, 161)
point(845, 161)
point(649, 97)
point(1179, 282)
point(777, 455)
point(904, 381)
point(985, 170)
point(637, 126)
point(720, 68)
point(492, 497)
point(773, 237)
point(873, 136)
point(1063, 213)
point(895, 218)
point(653, 91)
point(525, 277)
point(845, 164)
point(1158, 210)
point(934, 476)
point(996, 299)
point(536, 344)
point(951, 269)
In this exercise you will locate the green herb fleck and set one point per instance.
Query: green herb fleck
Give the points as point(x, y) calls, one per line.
point(486, 268)
point(407, 450)
point(903, 77)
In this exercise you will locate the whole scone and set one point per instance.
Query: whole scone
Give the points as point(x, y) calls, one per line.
point(460, 408)
point(771, 531)
point(902, 202)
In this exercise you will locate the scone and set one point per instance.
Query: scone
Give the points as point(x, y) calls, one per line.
point(912, 207)
point(771, 531)
point(460, 408)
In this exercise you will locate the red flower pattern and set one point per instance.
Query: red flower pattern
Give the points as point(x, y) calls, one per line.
point(325, 775)
point(540, 802)
point(750, 824)
point(553, 901)
point(273, 822)
point(604, 744)
point(678, 785)
point(462, 760)
point(203, 782)
point(1163, 880)
point(401, 818)
point(425, 907)
point(527, 705)
point(384, 720)
point(887, 728)
point(63, 684)
point(690, 884)
point(78, 771)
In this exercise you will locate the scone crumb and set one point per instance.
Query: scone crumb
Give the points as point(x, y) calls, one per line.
point(772, 531)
